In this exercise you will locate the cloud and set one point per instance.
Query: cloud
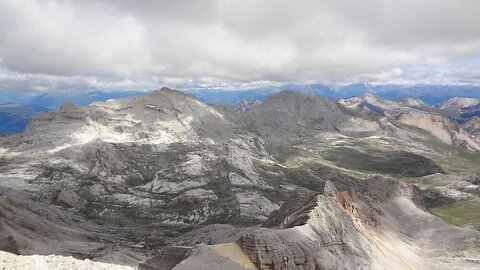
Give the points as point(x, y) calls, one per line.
point(126, 44)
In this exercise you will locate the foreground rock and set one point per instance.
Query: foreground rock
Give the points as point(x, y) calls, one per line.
point(380, 225)
point(18, 262)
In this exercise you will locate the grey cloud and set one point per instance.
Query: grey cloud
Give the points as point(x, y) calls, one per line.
point(107, 44)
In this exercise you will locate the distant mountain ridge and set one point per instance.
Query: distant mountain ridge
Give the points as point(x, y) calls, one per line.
point(53, 99)
point(15, 117)
point(428, 94)
point(17, 109)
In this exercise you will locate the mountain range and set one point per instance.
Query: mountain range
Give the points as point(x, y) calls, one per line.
point(428, 94)
point(294, 181)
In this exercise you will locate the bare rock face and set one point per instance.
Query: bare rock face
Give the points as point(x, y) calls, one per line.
point(137, 173)
point(70, 198)
point(327, 239)
point(30, 227)
point(204, 257)
point(378, 225)
point(166, 259)
point(412, 102)
point(289, 111)
point(19, 262)
point(458, 103)
point(473, 127)
point(444, 129)
point(382, 189)
point(292, 213)
point(246, 105)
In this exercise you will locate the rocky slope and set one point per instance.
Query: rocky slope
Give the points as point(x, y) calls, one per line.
point(458, 103)
point(374, 104)
point(379, 225)
point(18, 262)
point(292, 112)
point(412, 102)
point(473, 127)
point(118, 180)
point(444, 129)
point(246, 105)
point(163, 162)
point(416, 113)
point(462, 109)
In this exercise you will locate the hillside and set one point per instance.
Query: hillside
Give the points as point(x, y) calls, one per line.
point(119, 180)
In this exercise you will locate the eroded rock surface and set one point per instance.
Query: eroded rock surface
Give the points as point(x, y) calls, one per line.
point(381, 224)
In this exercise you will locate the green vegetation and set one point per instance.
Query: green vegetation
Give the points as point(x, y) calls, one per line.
point(459, 213)
point(452, 158)
point(390, 162)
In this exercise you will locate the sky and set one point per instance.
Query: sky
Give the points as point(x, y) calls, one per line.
point(120, 44)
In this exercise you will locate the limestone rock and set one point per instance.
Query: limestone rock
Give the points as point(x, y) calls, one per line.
point(166, 259)
point(69, 199)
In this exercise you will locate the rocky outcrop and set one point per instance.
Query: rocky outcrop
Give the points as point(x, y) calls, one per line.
point(166, 259)
point(291, 112)
point(318, 235)
point(444, 129)
point(138, 173)
point(473, 127)
point(373, 104)
point(28, 226)
point(458, 103)
point(246, 105)
point(412, 102)
point(69, 198)
point(381, 224)
point(18, 262)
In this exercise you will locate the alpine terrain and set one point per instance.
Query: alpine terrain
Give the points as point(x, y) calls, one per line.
point(165, 181)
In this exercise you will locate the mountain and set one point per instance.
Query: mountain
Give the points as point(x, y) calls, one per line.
point(54, 99)
point(458, 103)
point(473, 127)
point(22, 110)
point(379, 225)
point(428, 94)
point(412, 102)
point(461, 109)
point(14, 117)
point(289, 111)
point(421, 116)
point(374, 104)
point(12, 261)
point(246, 105)
point(18, 108)
point(230, 97)
point(444, 129)
point(12, 123)
point(131, 179)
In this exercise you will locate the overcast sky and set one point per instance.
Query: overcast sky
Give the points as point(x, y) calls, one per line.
point(117, 44)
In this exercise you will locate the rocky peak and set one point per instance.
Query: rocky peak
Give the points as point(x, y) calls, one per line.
point(458, 103)
point(69, 107)
point(294, 111)
point(165, 91)
point(412, 102)
point(328, 230)
point(473, 127)
point(246, 105)
point(372, 103)
point(443, 128)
